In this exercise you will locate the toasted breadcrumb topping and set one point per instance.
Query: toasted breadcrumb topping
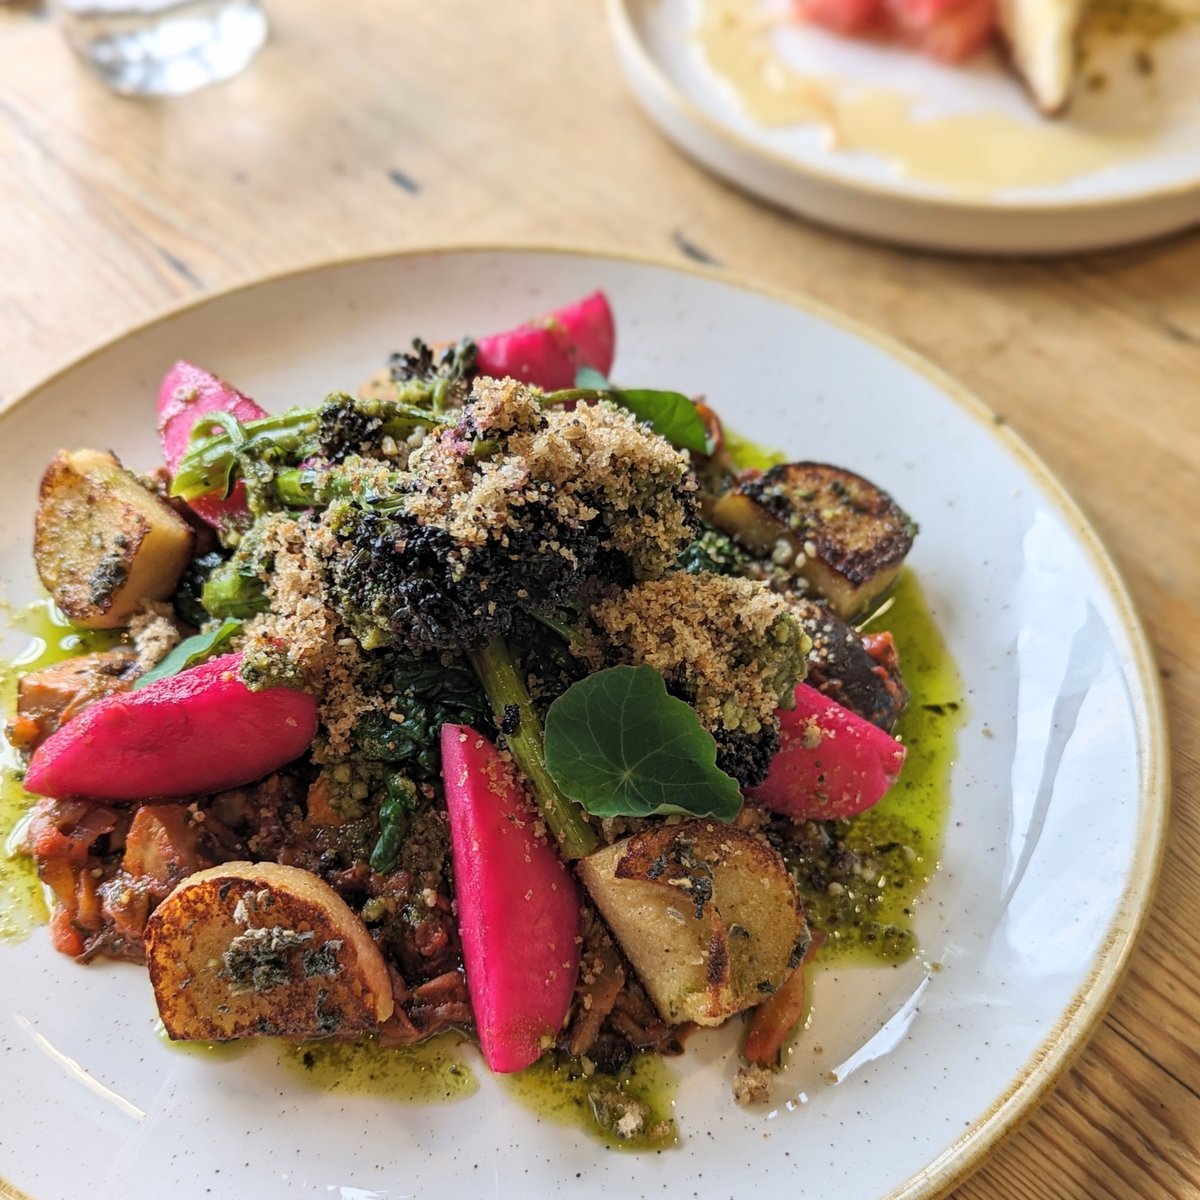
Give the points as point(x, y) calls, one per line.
point(595, 458)
point(154, 633)
point(709, 635)
point(302, 632)
point(753, 1085)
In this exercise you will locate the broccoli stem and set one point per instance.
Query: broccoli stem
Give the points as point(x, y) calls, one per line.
point(208, 466)
point(214, 461)
point(229, 592)
point(505, 690)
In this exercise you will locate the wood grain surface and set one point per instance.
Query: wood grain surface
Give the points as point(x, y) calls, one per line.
point(375, 125)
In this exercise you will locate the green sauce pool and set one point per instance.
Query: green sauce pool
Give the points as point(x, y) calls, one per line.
point(629, 1111)
point(432, 1072)
point(50, 638)
point(869, 917)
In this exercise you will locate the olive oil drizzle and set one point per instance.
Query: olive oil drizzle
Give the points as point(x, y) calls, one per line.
point(431, 1072)
point(629, 1111)
point(50, 638)
point(869, 916)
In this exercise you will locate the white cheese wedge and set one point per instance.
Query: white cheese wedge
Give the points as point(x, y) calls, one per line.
point(1042, 35)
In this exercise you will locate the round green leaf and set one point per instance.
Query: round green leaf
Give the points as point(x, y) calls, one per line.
point(619, 745)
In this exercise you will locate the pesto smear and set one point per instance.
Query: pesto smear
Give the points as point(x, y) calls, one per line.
point(860, 879)
point(629, 1111)
point(49, 638)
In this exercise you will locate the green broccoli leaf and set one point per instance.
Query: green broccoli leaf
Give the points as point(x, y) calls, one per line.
point(619, 745)
point(190, 652)
point(670, 414)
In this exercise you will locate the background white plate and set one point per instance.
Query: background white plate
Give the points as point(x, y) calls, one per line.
point(1058, 797)
point(1154, 191)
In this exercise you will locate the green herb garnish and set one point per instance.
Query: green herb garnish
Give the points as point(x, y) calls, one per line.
point(190, 652)
point(670, 414)
point(619, 745)
point(394, 818)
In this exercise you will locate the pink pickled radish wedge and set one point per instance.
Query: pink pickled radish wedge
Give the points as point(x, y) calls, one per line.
point(547, 350)
point(186, 393)
point(831, 762)
point(196, 732)
point(518, 911)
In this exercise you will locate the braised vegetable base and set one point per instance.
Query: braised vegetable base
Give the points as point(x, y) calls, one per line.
point(516, 706)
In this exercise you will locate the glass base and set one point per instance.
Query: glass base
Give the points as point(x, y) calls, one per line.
point(169, 54)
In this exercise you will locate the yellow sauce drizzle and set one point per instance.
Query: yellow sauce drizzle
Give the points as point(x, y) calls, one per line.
point(972, 152)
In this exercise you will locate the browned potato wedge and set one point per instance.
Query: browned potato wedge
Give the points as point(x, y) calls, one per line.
point(706, 914)
point(102, 542)
point(248, 949)
point(839, 533)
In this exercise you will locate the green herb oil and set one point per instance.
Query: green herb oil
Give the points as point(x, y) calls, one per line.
point(49, 638)
point(744, 455)
point(629, 1111)
point(430, 1073)
point(870, 917)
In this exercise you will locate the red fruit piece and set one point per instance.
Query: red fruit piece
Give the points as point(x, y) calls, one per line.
point(831, 762)
point(947, 30)
point(186, 393)
point(196, 732)
point(842, 16)
point(547, 350)
point(518, 910)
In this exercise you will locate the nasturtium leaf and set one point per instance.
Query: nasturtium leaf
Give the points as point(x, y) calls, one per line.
point(190, 652)
point(618, 744)
point(670, 414)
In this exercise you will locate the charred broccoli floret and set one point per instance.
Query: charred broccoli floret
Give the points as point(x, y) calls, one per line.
point(511, 509)
point(396, 582)
point(237, 587)
point(445, 372)
point(746, 756)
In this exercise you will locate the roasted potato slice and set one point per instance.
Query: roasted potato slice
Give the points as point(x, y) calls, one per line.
point(706, 914)
point(834, 530)
point(102, 542)
point(248, 949)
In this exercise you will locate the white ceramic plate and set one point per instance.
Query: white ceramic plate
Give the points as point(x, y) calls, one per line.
point(1058, 795)
point(1121, 165)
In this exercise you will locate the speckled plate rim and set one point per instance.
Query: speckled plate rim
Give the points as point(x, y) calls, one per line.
point(1087, 1007)
point(625, 31)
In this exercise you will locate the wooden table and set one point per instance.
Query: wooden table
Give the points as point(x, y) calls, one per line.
point(371, 125)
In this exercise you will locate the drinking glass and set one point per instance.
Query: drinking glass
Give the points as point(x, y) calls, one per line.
point(162, 47)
